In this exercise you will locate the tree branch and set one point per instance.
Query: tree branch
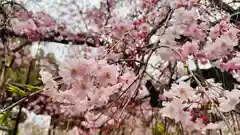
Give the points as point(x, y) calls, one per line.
point(158, 26)
point(81, 38)
point(108, 12)
point(15, 131)
point(18, 102)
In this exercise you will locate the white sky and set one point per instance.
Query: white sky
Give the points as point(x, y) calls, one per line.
point(53, 8)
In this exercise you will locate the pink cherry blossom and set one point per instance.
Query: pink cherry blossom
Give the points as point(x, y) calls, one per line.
point(199, 124)
point(214, 126)
point(82, 87)
point(20, 27)
point(75, 131)
point(102, 85)
point(119, 31)
point(23, 15)
point(73, 69)
point(173, 110)
point(189, 48)
point(100, 97)
point(144, 27)
point(232, 65)
point(196, 33)
point(219, 29)
point(230, 100)
point(129, 83)
point(181, 90)
point(79, 107)
point(44, 20)
point(107, 75)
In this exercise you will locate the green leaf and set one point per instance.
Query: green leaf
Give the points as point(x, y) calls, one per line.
point(4, 118)
point(158, 129)
point(134, 16)
point(32, 88)
point(16, 90)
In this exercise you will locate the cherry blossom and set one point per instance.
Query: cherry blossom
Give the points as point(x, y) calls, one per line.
point(229, 102)
point(107, 75)
point(74, 69)
point(213, 126)
point(183, 91)
point(21, 27)
point(101, 96)
point(82, 88)
point(189, 48)
point(173, 110)
point(105, 84)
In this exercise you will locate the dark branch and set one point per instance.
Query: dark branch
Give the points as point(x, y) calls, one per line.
point(15, 131)
point(80, 39)
point(158, 26)
point(109, 12)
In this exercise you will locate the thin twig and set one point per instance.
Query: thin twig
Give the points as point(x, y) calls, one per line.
point(22, 103)
point(19, 101)
point(224, 118)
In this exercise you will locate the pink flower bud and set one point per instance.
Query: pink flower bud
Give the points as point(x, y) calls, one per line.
point(204, 118)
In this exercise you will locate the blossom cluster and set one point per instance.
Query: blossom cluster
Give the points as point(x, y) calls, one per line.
point(90, 84)
point(107, 87)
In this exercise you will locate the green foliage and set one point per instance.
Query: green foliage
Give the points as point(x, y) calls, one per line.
point(11, 133)
point(34, 76)
point(158, 129)
point(18, 75)
point(32, 88)
point(5, 120)
point(16, 91)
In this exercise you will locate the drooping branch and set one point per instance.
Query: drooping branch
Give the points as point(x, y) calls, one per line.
point(78, 39)
point(108, 11)
point(24, 24)
point(157, 27)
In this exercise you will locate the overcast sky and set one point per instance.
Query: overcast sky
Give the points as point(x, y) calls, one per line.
point(53, 8)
